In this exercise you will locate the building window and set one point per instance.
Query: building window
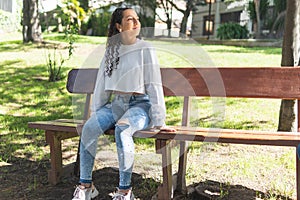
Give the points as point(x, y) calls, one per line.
point(231, 17)
point(208, 26)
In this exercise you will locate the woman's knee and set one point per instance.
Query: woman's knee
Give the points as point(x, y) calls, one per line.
point(91, 129)
point(123, 135)
point(123, 128)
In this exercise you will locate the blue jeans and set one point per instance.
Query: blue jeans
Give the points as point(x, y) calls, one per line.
point(127, 114)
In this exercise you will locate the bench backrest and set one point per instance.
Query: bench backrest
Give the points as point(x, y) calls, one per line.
point(267, 82)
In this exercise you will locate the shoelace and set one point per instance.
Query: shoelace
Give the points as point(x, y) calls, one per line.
point(119, 196)
point(76, 192)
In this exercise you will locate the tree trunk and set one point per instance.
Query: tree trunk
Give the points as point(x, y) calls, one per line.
point(169, 18)
point(183, 25)
point(31, 23)
point(290, 57)
point(258, 21)
point(186, 15)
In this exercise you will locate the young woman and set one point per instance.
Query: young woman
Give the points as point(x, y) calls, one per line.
point(128, 96)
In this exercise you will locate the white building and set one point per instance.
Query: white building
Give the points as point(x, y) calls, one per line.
point(8, 5)
point(205, 23)
point(10, 15)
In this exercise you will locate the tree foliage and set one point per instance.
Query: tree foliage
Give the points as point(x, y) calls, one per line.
point(278, 24)
point(72, 14)
point(98, 22)
point(191, 5)
point(263, 7)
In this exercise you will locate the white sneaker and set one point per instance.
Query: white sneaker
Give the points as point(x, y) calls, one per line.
point(123, 196)
point(82, 193)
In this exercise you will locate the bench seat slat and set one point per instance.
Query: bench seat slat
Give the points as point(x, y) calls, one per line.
point(73, 121)
point(62, 125)
point(54, 126)
point(225, 136)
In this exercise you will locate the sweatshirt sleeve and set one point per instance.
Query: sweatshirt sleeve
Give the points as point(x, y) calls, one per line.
point(153, 87)
point(100, 96)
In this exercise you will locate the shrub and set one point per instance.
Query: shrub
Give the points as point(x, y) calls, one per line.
point(232, 31)
point(55, 63)
point(98, 23)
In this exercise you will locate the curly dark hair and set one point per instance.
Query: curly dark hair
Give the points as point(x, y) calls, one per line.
point(113, 42)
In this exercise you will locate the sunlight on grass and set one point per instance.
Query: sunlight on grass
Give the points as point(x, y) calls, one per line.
point(244, 57)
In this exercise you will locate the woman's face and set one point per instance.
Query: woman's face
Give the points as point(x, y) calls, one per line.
point(130, 22)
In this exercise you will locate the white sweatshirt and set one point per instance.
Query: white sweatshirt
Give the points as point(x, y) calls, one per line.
point(138, 71)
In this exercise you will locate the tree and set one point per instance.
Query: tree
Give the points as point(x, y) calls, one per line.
point(258, 19)
point(84, 4)
point(190, 5)
point(30, 22)
point(72, 14)
point(290, 57)
point(278, 24)
point(258, 11)
point(146, 11)
point(167, 6)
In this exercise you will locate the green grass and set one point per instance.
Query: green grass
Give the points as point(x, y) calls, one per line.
point(26, 96)
point(56, 37)
point(245, 57)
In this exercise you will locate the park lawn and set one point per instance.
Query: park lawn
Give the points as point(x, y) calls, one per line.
point(26, 95)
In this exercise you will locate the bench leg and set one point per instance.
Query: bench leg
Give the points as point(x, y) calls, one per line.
point(55, 172)
point(181, 183)
point(77, 163)
point(165, 192)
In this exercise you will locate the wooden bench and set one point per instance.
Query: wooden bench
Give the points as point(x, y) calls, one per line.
point(278, 83)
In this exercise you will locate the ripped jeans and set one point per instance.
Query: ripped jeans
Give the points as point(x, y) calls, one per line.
point(127, 113)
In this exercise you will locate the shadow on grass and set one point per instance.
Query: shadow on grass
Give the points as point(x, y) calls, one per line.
point(213, 190)
point(30, 182)
point(25, 98)
point(18, 45)
point(14, 46)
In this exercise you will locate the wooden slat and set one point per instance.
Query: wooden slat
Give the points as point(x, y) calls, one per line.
point(267, 82)
point(181, 182)
point(81, 81)
point(264, 82)
point(55, 156)
point(226, 136)
point(166, 191)
point(54, 126)
point(73, 121)
point(62, 126)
